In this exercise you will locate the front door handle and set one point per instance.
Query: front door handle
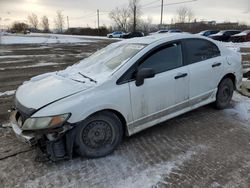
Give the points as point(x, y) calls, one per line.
point(180, 76)
point(216, 65)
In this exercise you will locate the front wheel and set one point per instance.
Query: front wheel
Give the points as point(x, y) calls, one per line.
point(224, 93)
point(98, 135)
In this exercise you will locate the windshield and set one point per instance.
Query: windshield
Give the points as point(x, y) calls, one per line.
point(202, 32)
point(221, 33)
point(103, 62)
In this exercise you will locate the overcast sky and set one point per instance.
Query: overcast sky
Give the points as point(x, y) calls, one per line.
point(83, 12)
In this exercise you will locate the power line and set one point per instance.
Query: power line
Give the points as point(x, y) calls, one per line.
point(169, 4)
point(152, 2)
point(86, 15)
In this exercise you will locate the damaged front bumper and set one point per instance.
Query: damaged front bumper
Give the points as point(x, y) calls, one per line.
point(57, 144)
point(27, 137)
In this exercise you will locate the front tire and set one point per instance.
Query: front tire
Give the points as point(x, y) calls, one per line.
point(224, 94)
point(98, 135)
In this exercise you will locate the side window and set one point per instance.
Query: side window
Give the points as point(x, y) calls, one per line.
point(164, 59)
point(200, 50)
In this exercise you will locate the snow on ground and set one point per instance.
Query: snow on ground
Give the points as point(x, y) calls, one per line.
point(150, 177)
point(7, 93)
point(41, 64)
point(43, 39)
point(236, 46)
point(74, 36)
point(241, 108)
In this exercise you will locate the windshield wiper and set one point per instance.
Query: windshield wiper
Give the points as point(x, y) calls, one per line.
point(78, 81)
point(87, 77)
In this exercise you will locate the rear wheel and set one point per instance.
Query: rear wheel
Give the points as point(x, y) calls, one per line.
point(99, 135)
point(224, 93)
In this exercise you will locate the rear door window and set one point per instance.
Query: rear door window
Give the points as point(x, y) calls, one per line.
point(197, 50)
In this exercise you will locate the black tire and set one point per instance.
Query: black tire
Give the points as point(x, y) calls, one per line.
point(110, 36)
point(224, 93)
point(98, 135)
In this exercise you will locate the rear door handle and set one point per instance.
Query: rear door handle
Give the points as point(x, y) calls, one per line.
point(216, 65)
point(180, 76)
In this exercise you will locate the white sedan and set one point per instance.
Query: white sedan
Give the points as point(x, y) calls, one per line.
point(122, 89)
point(116, 34)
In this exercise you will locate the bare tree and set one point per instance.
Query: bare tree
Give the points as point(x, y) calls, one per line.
point(59, 21)
point(135, 10)
point(33, 20)
point(146, 25)
point(184, 14)
point(190, 15)
point(45, 23)
point(121, 17)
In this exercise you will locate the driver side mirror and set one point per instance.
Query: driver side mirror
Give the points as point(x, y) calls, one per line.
point(143, 74)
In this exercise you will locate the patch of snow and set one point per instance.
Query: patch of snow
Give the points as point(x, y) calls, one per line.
point(20, 56)
point(74, 36)
point(14, 61)
point(241, 108)
point(115, 171)
point(46, 39)
point(33, 65)
point(155, 174)
point(236, 46)
point(5, 125)
point(7, 93)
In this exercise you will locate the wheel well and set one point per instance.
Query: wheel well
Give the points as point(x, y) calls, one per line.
point(119, 115)
point(232, 77)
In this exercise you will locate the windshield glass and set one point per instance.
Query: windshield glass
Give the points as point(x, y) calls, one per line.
point(103, 62)
point(221, 33)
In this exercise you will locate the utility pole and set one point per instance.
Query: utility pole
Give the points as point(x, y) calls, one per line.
point(98, 19)
point(135, 7)
point(68, 21)
point(161, 13)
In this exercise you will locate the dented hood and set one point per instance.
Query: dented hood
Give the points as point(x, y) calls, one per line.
point(46, 89)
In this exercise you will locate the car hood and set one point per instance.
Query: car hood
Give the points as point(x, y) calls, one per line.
point(240, 35)
point(48, 88)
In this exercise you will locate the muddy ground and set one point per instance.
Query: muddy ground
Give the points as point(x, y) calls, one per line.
point(203, 148)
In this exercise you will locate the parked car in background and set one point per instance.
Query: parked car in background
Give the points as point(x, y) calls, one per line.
point(167, 31)
point(241, 37)
point(132, 35)
point(116, 34)
point(175, 31)
point(207, 33)
point(122, 89)
point(224, 35)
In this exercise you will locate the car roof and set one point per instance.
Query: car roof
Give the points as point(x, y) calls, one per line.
point(154, 38)
point(229, 30)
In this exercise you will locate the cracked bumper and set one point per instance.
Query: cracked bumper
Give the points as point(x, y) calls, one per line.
point(20, 134)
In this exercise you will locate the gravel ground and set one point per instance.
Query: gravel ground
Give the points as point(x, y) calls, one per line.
point(203, 148)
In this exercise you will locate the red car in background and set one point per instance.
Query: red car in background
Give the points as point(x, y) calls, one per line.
point(241, 37)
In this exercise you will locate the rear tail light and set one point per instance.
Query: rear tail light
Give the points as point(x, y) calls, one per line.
point(248, 37)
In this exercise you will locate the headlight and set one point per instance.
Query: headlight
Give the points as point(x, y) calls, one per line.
point(45, 122)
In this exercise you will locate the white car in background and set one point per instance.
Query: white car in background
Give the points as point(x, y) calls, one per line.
point(116, 34)
point(122, 89)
